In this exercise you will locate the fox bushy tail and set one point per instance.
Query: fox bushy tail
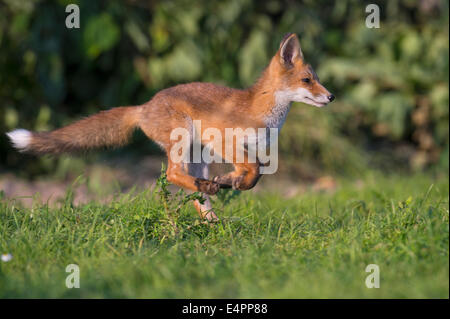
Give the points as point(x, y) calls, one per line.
point(107, 128)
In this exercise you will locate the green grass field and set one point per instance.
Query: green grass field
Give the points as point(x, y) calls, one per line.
point(316, 245)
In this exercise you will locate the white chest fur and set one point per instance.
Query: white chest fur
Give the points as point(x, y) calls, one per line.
point(277, 115)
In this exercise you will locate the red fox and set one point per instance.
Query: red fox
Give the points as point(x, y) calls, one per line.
point(263, 105)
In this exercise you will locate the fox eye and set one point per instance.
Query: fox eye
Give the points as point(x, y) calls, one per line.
point(306, 80)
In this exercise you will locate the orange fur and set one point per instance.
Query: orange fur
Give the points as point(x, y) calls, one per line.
point(107, 128)
point(216, 106)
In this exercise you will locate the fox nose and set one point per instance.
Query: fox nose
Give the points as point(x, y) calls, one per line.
point(331, 97)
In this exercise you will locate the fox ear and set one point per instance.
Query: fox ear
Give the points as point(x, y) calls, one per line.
point(290, 49)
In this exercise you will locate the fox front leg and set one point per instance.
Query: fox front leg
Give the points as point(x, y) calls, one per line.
point(245, 176)
point(228, 180)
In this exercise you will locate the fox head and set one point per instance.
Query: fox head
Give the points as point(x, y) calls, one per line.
point(297, 81)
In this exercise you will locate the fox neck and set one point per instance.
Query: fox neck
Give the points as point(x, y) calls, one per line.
point(269, 100)
point(277, 112)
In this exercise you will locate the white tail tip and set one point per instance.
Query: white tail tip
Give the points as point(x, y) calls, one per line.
point(20, 138)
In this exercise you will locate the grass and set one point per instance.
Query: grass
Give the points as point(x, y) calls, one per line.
point(316, 245)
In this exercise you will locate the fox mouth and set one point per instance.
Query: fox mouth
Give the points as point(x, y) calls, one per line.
point(316, 103)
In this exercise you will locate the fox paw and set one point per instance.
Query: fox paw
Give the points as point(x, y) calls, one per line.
point(223, 181)
point(236, 183)
point(210, 217)
point(207, 186)
point(229, 182)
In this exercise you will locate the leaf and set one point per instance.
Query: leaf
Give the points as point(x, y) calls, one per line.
point(100, 35)
point(138, 37)
point(253, 58)
point(184, 63)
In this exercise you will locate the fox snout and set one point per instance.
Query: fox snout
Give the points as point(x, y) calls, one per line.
point(320, 96)
point(324, 98)
point(328, 95)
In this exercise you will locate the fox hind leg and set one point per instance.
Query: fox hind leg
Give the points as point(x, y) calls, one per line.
point(177, 175)
point(158, 127)
point(200, 170)
point(160, 133)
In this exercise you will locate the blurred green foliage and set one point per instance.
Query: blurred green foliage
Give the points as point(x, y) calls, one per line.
point(391, 83)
